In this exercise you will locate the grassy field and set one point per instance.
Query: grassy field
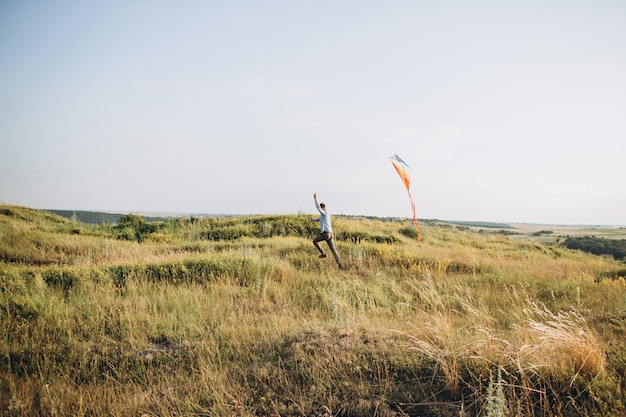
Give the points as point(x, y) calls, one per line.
point(552, 233)
point(238, 316)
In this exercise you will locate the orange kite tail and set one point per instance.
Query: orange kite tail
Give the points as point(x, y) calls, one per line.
point(404, 170)
point(417, 229)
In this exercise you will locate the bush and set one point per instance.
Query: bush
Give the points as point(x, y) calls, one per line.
point(61, 278)
point(598, 246)
point(134, 227)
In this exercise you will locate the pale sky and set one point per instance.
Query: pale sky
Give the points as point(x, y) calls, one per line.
point(507, 111)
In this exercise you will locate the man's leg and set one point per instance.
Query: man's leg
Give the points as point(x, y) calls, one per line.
point(331, 245)
point(319, 238)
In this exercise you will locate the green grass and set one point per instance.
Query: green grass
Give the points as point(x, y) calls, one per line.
point(238, 316)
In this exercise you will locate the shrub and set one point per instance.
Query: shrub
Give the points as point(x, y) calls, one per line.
point(134, 227)
point(62, 278)
point(598, 246)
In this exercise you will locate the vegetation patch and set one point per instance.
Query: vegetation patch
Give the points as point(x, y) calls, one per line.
point(598, 246)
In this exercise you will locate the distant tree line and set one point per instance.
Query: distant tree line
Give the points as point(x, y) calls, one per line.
point(488, 225)
point(598, 246)
point(97, 217)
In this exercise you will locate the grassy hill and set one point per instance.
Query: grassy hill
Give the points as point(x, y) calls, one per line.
point(238, 316)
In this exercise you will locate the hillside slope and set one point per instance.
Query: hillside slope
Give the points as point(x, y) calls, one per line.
point(238, 316)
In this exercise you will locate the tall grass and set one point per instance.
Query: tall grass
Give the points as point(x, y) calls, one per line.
point(181, 324)
point(538, 347)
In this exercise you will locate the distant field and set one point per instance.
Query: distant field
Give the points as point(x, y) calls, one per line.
point(533, 232)
point(545, 233)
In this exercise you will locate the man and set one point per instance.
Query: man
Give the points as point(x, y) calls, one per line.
point(326, 231)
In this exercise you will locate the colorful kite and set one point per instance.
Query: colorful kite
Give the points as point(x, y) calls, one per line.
point(405, 173)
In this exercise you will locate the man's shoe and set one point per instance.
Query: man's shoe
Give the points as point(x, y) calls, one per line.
point(323, 255)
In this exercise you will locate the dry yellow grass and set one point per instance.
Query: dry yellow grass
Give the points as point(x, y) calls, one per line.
point(180, 325)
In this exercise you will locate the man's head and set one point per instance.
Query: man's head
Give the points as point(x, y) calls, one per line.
point(323, 206)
